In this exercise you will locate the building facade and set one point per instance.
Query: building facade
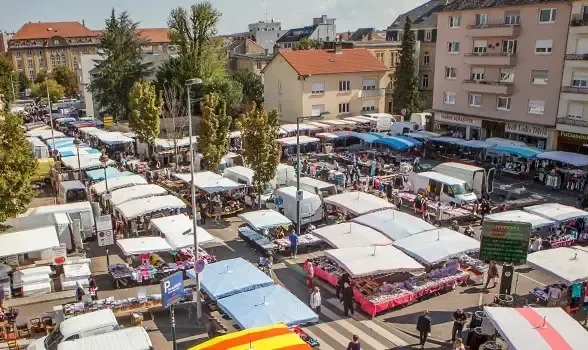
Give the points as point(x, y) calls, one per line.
point(4, 37)
point(246, 54)
point(329, 83)
point(322, 29)
point(499, 68)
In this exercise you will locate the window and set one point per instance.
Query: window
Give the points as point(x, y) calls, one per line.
point(547, 15)
point(453, 47)
point(536, 107)
point(539, 77)
point(258, 64)
point(343, 107)
point(392, 58)
point(475, 100)
point(30, 63)
point(449, 98)
point(41, 62)
point(55, 42)
point(477, 73)
point(17, 53)
point(344, 85)
point(582, 46)
point(85, 51)
point(53, 62)
point(426, 59)
point(425, 81)
point(512, 18)
point(543, 47)
point(509, 46)
point(428, 35)
point(29, 53)
point(480, 46)
point(506, 75)
point(32, 74)
point(369, 84)
point(503, 103)
point(580, 79)
point(318, 88)
point(450, 73)
point(380, 56)
point(40, 53)
point(317, 110)
point(454, 21)
point(19, 63)
point(481, 19)
point(368, 106)
point(575, 110)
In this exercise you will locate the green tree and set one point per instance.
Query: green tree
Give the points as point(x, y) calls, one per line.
point(307, 44)
point(121, 66)
point(17, 166)
point(144, 112)
point(228, 90)
point(252, 86)
point(56, 91)
point(261, 149)
point(66, 78)
point(8, 79)
point(23, 82)
point(41, 76)
point(215, 125)
point(406, 84)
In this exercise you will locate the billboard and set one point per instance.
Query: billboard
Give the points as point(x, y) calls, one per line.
point(505, 242)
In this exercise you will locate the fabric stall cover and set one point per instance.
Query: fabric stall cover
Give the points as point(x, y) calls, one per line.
point(267, 306)
point(98, 174)
point(229, 277)
point(525, 152)
point(288, 128)
point(520, 216)
point(262, 219)
point(546, 328)
point(171, 143)
point(113, 184)
point(178, 231)
point(568, 264)
point(136, 246)
point(575, 159)
point(274, 337)
point(498, 141)
point(450, 140)
point(73, 151)
point(291, 141)
point(86, 161)
point(556, 212)
point(363, 136)
point(392, 142)
point(126, 194)
point(209, 182)
point(28, 241)
point(143, 206)
point(358, 203)
point(476, 144)
point(431, 247)
point(393, 223)
point(351, 234)
point(368, 261)
point(423, 135)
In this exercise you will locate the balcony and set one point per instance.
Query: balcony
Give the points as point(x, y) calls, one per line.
point(372, 93)
point(579, 24)
point(488, 87)
point(490, 59)
point(574, 90)
point(572, 93)
point(572, 121)
point(494, 30)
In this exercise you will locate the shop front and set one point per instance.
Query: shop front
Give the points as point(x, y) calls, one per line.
point(459, 126)
point(572, 142)
point(533, 135)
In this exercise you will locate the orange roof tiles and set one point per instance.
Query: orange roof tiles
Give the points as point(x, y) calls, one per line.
point(47, 30)
point(307, 62)
point(154, 35)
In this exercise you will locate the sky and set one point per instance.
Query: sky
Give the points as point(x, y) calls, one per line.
point(236, 14)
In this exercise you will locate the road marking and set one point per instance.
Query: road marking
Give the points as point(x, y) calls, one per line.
point(350, 327)
point(530, 279)
point(333, 334)
point(480, 300)
point(322, 344)
point(383, 332)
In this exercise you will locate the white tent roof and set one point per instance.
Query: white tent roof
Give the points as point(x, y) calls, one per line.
point(568, 264)
point(520, 216)
point(338, 122)
point(548, 328)
point(302, 126)
point(556, 211)
point(136, 246)
point(394, 224)
point(240, 170)
point(113, 137)
point(350, 234)
point(169, 143)
point(320, 125)
point(359, 119)
point(87, 161)
point(117, 182)
point(135, 192)
point(366, 261)
point(21, 242)
point(358, 203)
point(290, 141)
point(178, 231)
point(431, 247)
point(262, 219)
point(140, 207)
point(45, 133)
point(209, 181)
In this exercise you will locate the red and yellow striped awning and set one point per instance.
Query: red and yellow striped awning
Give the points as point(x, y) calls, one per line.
point(276, 337)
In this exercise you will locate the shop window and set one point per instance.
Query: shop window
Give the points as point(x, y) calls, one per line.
point(449, 98)
point(503, 103)
point(536, 107)
point(475, 100)
point(543, 47)
point(539, 77)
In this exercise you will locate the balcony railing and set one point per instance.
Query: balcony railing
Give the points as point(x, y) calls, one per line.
point(495, 54)
point(577, 57)
point(488, 87)
point(492, 25)
point(372, 93)
point(486, 82)
point(575, 90)
point(572, 121)
point(579, 20)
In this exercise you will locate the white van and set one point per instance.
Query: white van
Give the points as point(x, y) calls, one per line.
point(77, 327)
point(447, 188)
point(478, 178)
point(60, 221)
point(135, 338)
point(72, 192)
point(239, 174)
point(403, 128)
point(312, 185)
point(420, 118)
point(382, 121)
point(284, 173)
point(311, 205)
point(80, 210)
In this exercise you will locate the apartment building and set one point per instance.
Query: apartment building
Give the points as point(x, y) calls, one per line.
point(499, 69)
point(246, 54)
point(330, 83)
point(572, 116)
point(322, 29)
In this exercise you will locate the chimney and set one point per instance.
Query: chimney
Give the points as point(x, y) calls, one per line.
point(338, 48)
point(84, 22)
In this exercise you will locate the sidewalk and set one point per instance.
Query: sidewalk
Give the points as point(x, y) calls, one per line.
point(36, 299)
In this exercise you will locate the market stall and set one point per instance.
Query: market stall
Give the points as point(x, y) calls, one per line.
point(34, 243)
point(178, 231)
point(86, 162)
point(571, 222)
point(114, 184)
point(567, 264)
point(111, 173)
point(141, 207)
point(125, 194)
point(266, 306)
point(536, 221)
point(393, 223)
point(264, 219)
point(142, 245)
point(556, 212)
point(307, 144)
point(563, 170)
point(349, 235)
point(357, 203)
point(45, 134)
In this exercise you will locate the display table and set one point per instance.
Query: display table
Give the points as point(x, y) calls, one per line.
point(564, 242)
point(265, 244)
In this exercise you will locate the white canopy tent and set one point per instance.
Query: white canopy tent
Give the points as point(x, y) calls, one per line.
point(568, 264)
point(87, 161)
point(262, 219)
point(358, 203)
point(367, 261)
point(289, 128)
point(338, 122)
point(350, 235)
point(291, 141)
point(394, 224)
point(520, 216)
point(113, 138)
point(45, 134)
point(178, 231)
point(239, 172)
point(556, 212)
point(434, 246)
point(140, 207)
point(320, 125)
point(172, 143)
point(209, 182)
point(527, 328)
point(135, 192)
point(28, 241)
point(359, 119)
point(136, 246)
point(117, 182)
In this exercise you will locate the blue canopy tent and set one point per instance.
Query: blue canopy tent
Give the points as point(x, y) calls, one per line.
point(393, 143)
point(365, 137)
point(413, 142)
point(229, 277)
point(62, 142)
point(267, 306)
point(476, 144)
point(70, 151)
point(98, 174)
point(525, 152)
point(450, 140)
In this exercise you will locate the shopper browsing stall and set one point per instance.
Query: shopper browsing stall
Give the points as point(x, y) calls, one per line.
point(459, 319)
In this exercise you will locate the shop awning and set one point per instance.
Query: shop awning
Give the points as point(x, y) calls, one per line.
point(28, 241)
point(87, 161)
point(520, 216)
point(264, 219)
point(411, 142)
point(358, 203)
point(275, 337)
point(351, 235)
point(338, 122)
point(113, 138)
point(477, 144)
point(73, 151)
point(567, 264)
point(111, 173)
point(118, 182)
point(327, 135)
point(394, 224)
point(575, 159)
point(320, 125)
point(364, 136)
point(556, 212)
point(178, 231)
point(525, 152)
point(64, 141)
point(423, 135)
point(172, 143)
point(136, 246)
point(126, 194)
point(549, 328)
point(241, 173)
point(290, 128)
point(449, 140)
point(45, 133)
point(144, 206)
point(291, 141)
point(209, 182)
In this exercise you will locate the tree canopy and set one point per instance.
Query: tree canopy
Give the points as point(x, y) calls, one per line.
point(406, 84)
point(66, 78)
point(252, 86)
point(215, 125)
point(56, 91)
point(307, 44)
point(8, 79)
point(23, 82)
point(41, 76)
point(144, 112)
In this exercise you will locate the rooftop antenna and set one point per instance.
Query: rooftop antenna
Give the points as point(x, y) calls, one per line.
point(266, 14)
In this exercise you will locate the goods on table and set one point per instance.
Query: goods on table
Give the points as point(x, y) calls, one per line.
point(5, 280)
point(75, 271)
point(307, 338)
point(32, 281)
point(117, 305)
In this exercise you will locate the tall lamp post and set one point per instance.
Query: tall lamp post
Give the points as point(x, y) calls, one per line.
point(298, 195)
point(50, 114)
point(77, 143)
point(104, 160)
point(189, 84)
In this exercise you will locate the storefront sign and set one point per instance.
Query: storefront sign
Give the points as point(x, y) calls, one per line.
point(529, 130)
point(573, 136)
point(506, 242)
point(458, 119)
point(172, 289)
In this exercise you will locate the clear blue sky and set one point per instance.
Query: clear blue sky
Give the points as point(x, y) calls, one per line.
point(350, 14)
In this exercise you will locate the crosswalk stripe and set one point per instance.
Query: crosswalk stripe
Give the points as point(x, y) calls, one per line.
point(350, 327)
point(322, 344)
point(333, 334)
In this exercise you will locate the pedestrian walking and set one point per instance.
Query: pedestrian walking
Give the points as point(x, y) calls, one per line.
point(347, 293)
point(342, 280)
point(492, 275)
point(424, 327)
point(79, 291)
point(93, 287)
point(203, 212)
point(354, 343)
point(218, 210)
point(315, 300)
point(309, 275)
point(459, 319)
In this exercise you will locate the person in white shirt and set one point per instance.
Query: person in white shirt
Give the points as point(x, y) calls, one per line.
point(553, 296)
point(315, 300)
point(536, 245)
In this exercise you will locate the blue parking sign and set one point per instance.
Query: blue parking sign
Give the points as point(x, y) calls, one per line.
point(172, 289)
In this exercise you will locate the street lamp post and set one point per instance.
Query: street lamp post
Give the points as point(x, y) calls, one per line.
point(298, 119)
point(77, 143)
point(189, 83)
point(104, 160)
point(50, 114)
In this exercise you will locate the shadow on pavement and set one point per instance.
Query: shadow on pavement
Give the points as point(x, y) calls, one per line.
point(437, 317)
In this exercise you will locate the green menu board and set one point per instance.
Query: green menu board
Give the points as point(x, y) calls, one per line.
point(506, 242)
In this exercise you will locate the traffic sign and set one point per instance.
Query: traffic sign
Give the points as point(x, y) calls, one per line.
point(105, 238)
point(199, 266)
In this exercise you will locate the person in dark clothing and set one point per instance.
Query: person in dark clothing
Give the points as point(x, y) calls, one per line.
point(354, 344)
point(347, 299)
point(344, 278)
point(459, 319)
point(93, 287)
point(79, 291)
point(202, 212)
point(424, 327)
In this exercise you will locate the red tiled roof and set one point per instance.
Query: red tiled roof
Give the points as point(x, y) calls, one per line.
point(154, 35)
point(328, 62)
point(47, 30)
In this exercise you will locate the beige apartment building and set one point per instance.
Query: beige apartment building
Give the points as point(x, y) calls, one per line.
point(499, 69)
point(246, 54)
point(330, 83)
